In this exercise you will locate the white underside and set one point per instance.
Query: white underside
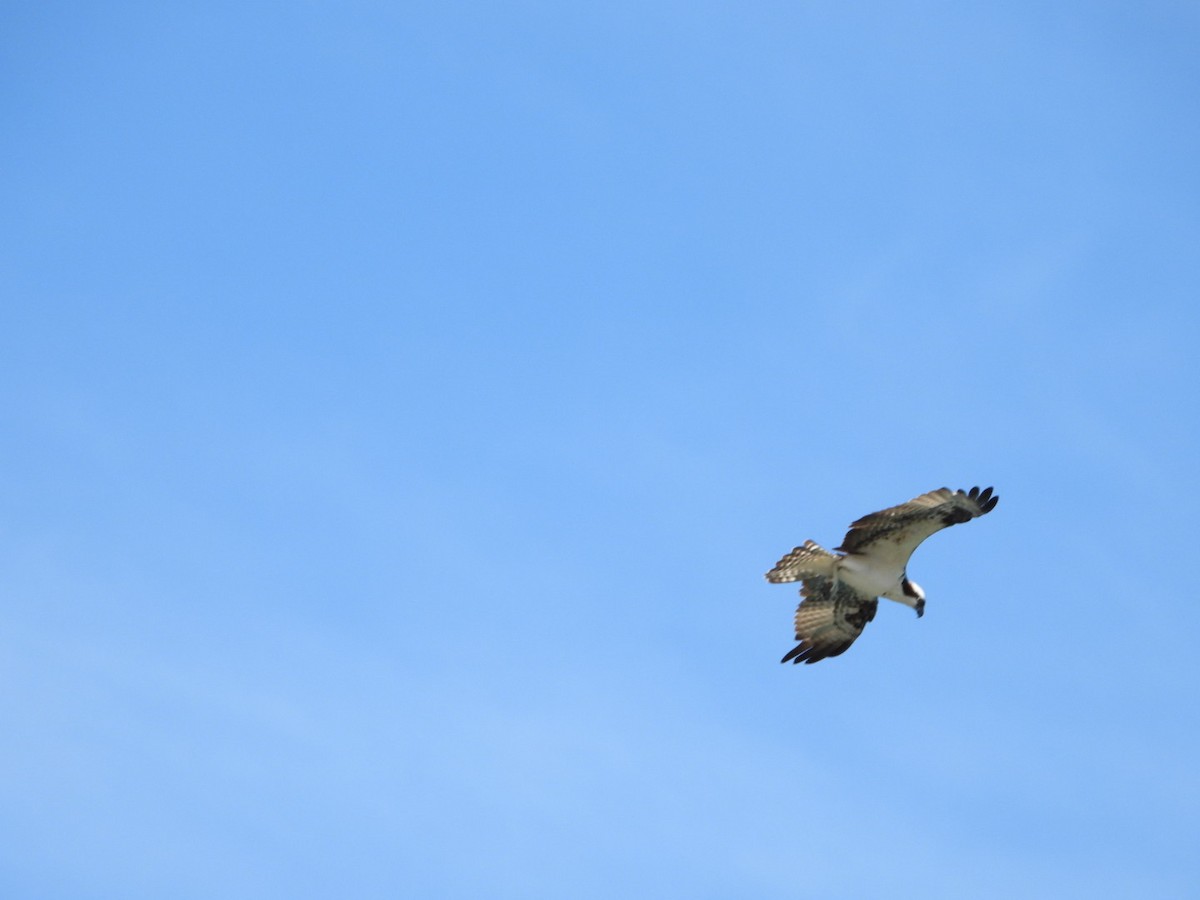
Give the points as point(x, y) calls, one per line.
point(874, 580)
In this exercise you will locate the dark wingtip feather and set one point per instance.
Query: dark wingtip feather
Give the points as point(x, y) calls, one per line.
point(982, 497)
point(794, 652)
point(804, 652)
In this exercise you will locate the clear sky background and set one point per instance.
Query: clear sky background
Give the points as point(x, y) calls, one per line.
point(403, 401)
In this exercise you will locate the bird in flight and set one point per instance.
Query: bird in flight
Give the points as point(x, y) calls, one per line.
point(840, 590)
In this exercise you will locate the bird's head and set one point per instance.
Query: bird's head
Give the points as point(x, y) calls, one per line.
point(910, 594)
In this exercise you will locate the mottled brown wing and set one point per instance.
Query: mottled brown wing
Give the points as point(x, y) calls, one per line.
point(828, 620)
point(807, 561)
point(897, 531)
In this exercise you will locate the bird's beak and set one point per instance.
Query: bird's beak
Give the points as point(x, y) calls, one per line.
point(920, 608)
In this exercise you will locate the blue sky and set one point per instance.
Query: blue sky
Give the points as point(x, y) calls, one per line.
point(402, 402)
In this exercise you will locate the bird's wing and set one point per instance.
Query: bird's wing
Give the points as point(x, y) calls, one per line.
point(807, 561)
point(828, 620)
point(891, 535)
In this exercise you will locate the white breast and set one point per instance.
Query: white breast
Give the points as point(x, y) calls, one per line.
point(868, 577)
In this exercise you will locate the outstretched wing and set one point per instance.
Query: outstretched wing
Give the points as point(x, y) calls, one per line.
point(891, 535)
point(810, 560)
point(828, 620)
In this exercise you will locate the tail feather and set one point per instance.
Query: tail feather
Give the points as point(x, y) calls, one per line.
point(810, 560)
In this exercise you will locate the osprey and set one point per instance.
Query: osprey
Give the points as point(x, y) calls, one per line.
point(840, 591)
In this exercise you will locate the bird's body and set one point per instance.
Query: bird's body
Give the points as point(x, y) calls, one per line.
point(874, 578)
point(840, 589)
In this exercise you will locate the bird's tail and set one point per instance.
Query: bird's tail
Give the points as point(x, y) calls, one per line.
point(809, 560)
